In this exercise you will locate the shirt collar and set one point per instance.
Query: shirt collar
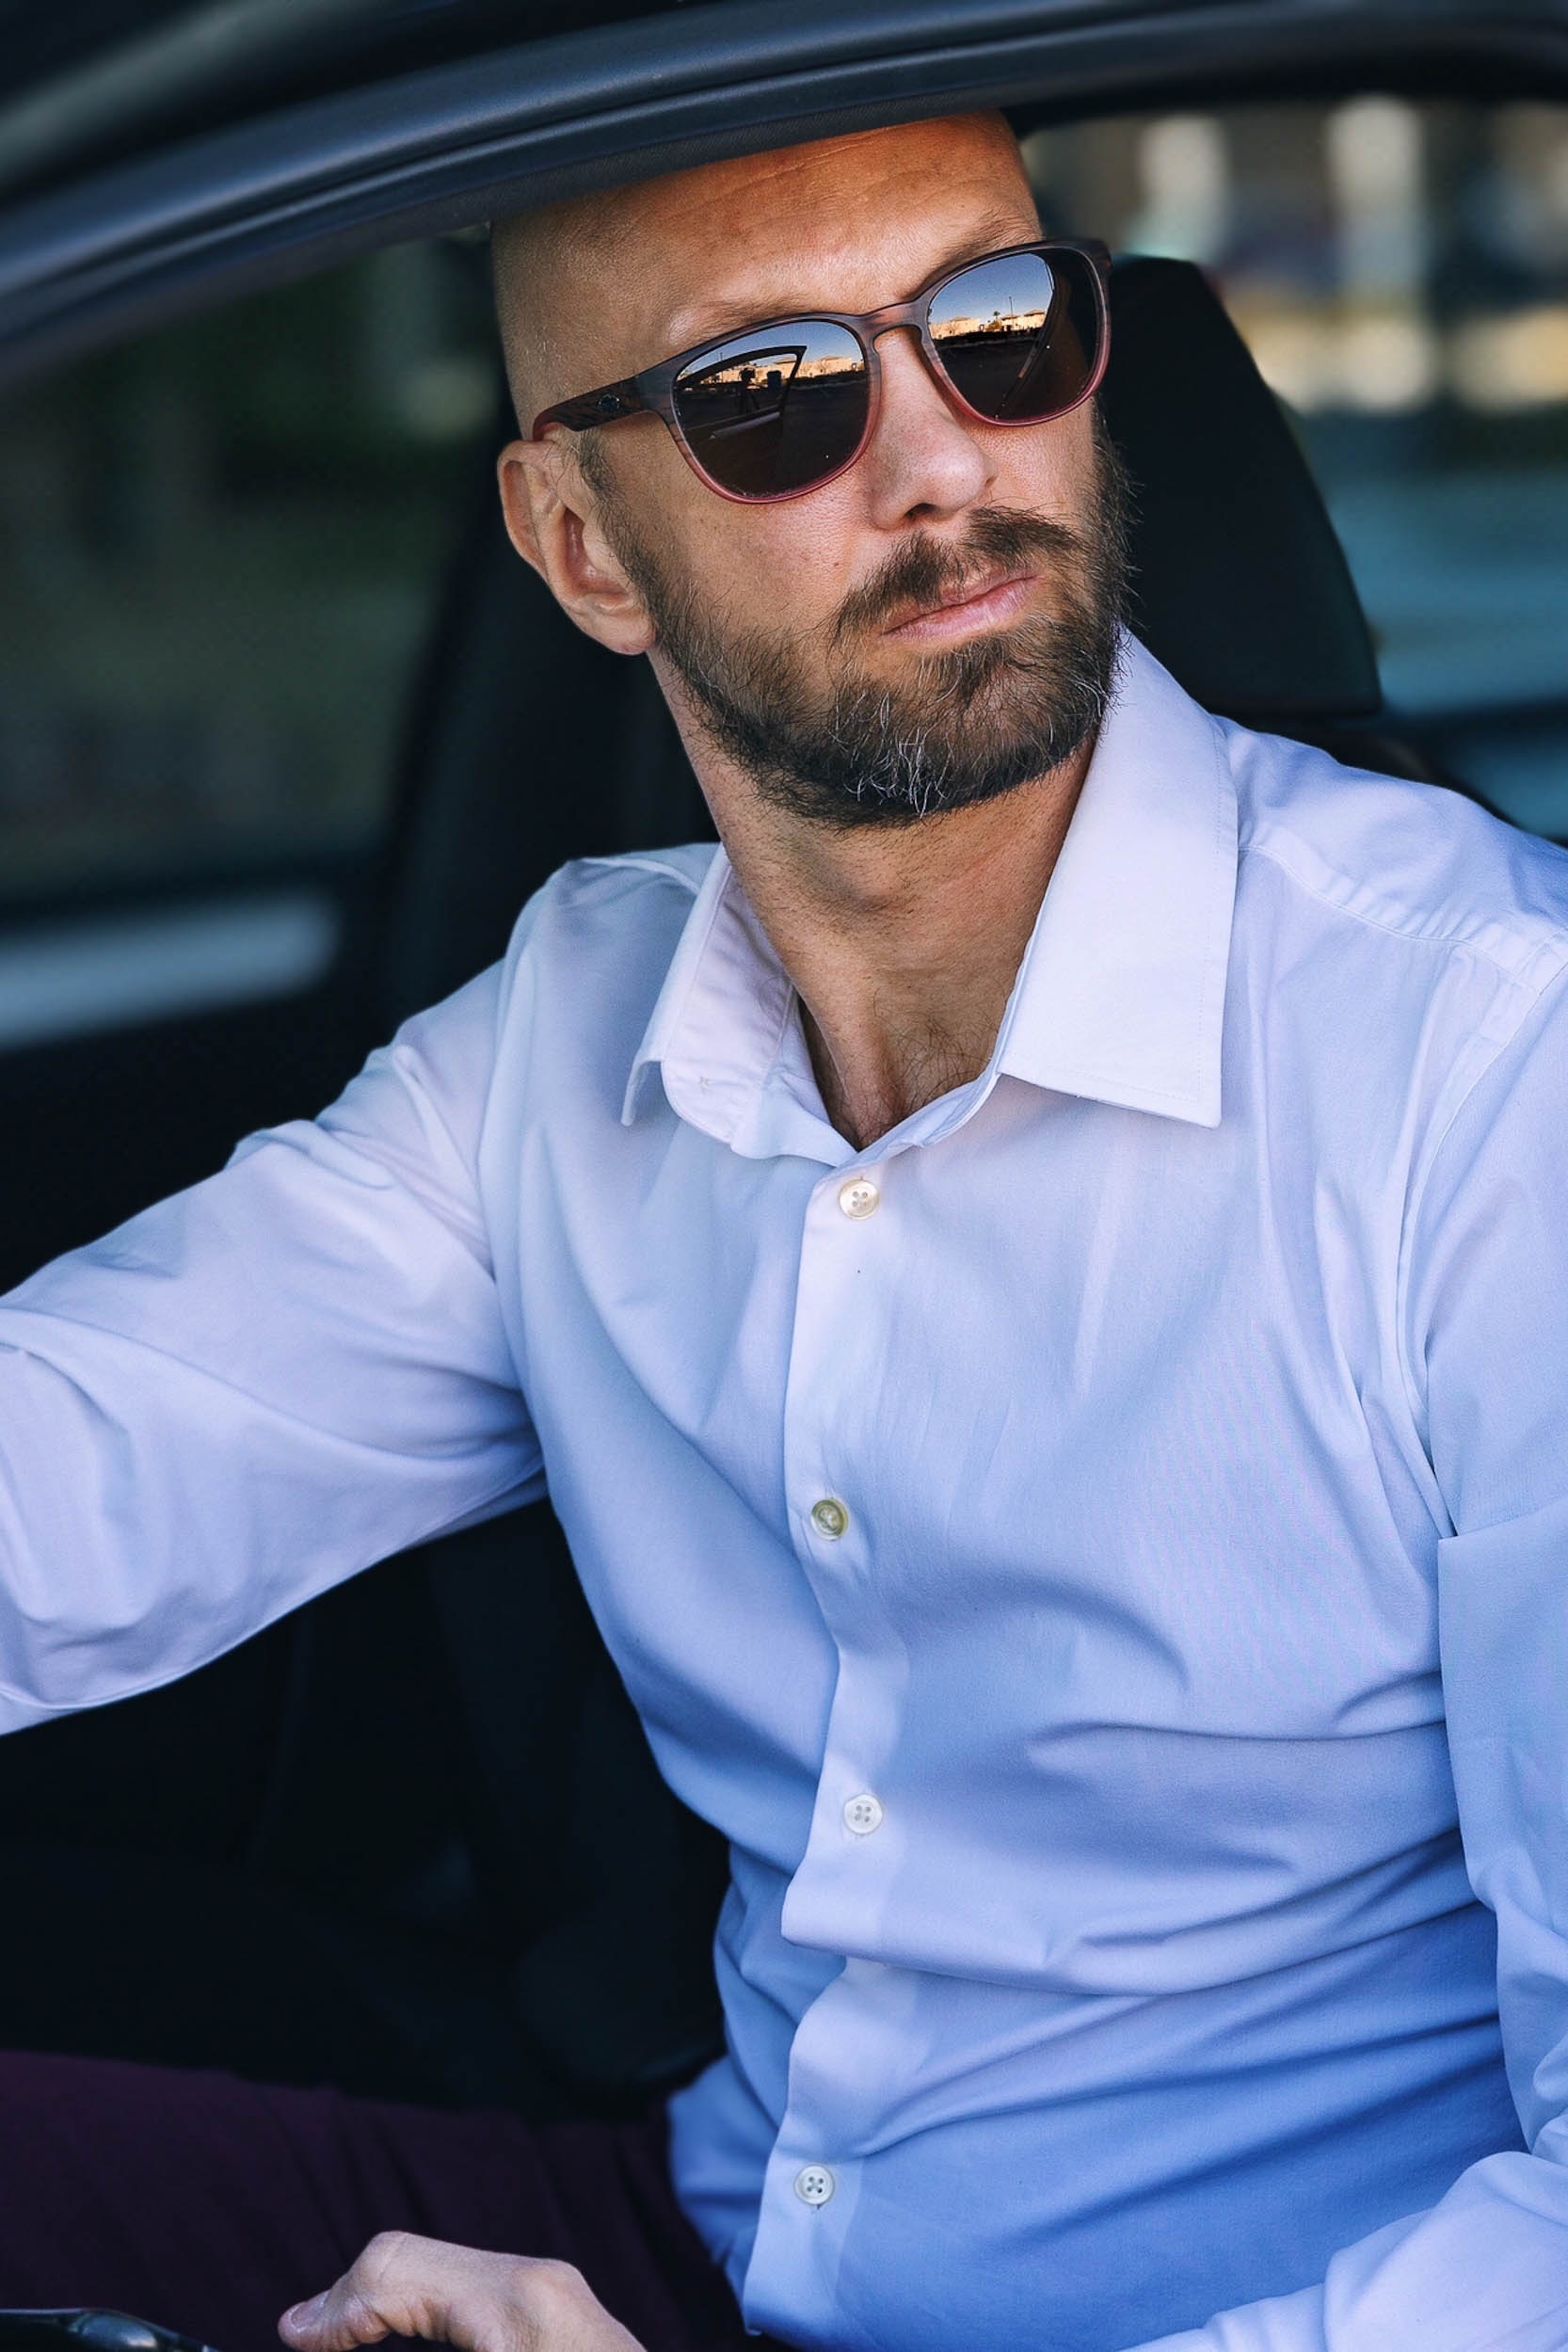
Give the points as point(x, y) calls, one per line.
point(1120, 997)
point(1121, 993)
point(726, 1034)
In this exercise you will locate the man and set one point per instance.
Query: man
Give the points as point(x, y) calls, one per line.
point(1052, 1391)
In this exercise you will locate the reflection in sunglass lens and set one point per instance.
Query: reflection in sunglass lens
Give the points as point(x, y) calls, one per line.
point(1019, 335)
point(776, 409)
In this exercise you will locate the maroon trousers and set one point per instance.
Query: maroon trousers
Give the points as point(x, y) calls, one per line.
point(210, 2205)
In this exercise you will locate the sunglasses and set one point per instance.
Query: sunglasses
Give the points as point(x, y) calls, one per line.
point(1016, 338)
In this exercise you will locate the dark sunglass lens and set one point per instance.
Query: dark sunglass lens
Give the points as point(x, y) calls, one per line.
point(774, 410)
point(1019, 335)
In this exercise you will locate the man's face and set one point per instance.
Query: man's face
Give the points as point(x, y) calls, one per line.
point(936, 626)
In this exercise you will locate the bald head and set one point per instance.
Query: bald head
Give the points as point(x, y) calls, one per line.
point(925, 626)
point(600, 286)
point(541, 261)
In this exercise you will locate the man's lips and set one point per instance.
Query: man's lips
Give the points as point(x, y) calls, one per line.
point(988, 605)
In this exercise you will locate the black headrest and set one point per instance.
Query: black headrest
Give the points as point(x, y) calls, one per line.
point(1242, 588)
point(530, 745)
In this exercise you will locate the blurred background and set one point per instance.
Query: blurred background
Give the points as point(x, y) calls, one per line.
point(1401, 273)
point(222, 549)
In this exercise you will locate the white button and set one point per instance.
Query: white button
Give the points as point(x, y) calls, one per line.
point(859, 1197)
point(814, 2184)
point(863, 1814)
point(829, 1517)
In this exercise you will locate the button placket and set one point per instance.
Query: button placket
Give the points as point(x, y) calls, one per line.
point(817, 1406)
point(811, 2184)
point(827, 1406)
point(824, 1293)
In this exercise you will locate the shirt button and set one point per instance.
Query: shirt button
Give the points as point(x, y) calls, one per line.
point(829, 1517)
point(814, 2184)
point(863, 1814)
point(859, 1197)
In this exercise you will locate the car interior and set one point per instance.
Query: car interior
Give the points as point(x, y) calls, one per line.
point(417, 1822)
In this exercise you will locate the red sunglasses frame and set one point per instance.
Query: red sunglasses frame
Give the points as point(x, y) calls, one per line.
point(651, 390)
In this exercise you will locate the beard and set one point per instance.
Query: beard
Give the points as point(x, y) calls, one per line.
point(820, 736)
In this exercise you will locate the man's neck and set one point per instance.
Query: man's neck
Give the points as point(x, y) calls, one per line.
point(903, 941)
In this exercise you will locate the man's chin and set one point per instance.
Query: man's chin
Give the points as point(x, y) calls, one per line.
point(897, 738)
point(908, 775)
point(966, 730)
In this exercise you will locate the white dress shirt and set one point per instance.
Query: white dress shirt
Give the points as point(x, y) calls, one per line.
point(1093, 1552)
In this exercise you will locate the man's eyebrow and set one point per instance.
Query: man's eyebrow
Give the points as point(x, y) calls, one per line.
point(708, 322)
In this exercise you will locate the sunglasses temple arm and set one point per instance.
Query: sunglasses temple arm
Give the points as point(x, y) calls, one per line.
point(603, 407)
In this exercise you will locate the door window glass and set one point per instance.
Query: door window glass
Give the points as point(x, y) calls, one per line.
point(1401, 273)
point(219, 552)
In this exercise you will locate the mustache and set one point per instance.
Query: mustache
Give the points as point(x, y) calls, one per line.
point(931, 571)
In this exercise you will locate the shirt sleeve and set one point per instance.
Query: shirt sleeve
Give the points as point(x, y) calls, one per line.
point(260, 1387)
point(1486, 1347)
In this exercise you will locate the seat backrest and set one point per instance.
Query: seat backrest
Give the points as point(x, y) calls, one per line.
point(1242, 586)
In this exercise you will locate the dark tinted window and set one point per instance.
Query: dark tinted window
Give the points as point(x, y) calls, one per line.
point(221, 551)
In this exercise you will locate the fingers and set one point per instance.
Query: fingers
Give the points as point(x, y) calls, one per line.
point(479, 2302)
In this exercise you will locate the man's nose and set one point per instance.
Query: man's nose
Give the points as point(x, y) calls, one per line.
point(925, 457)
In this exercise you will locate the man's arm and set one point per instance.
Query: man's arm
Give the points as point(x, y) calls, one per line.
point(1485, 1338)
point(259, 1387)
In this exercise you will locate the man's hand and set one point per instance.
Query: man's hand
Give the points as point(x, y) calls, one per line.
point(412, 2287)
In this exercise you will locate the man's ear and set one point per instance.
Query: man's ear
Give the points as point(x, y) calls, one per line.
point(553, 520)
